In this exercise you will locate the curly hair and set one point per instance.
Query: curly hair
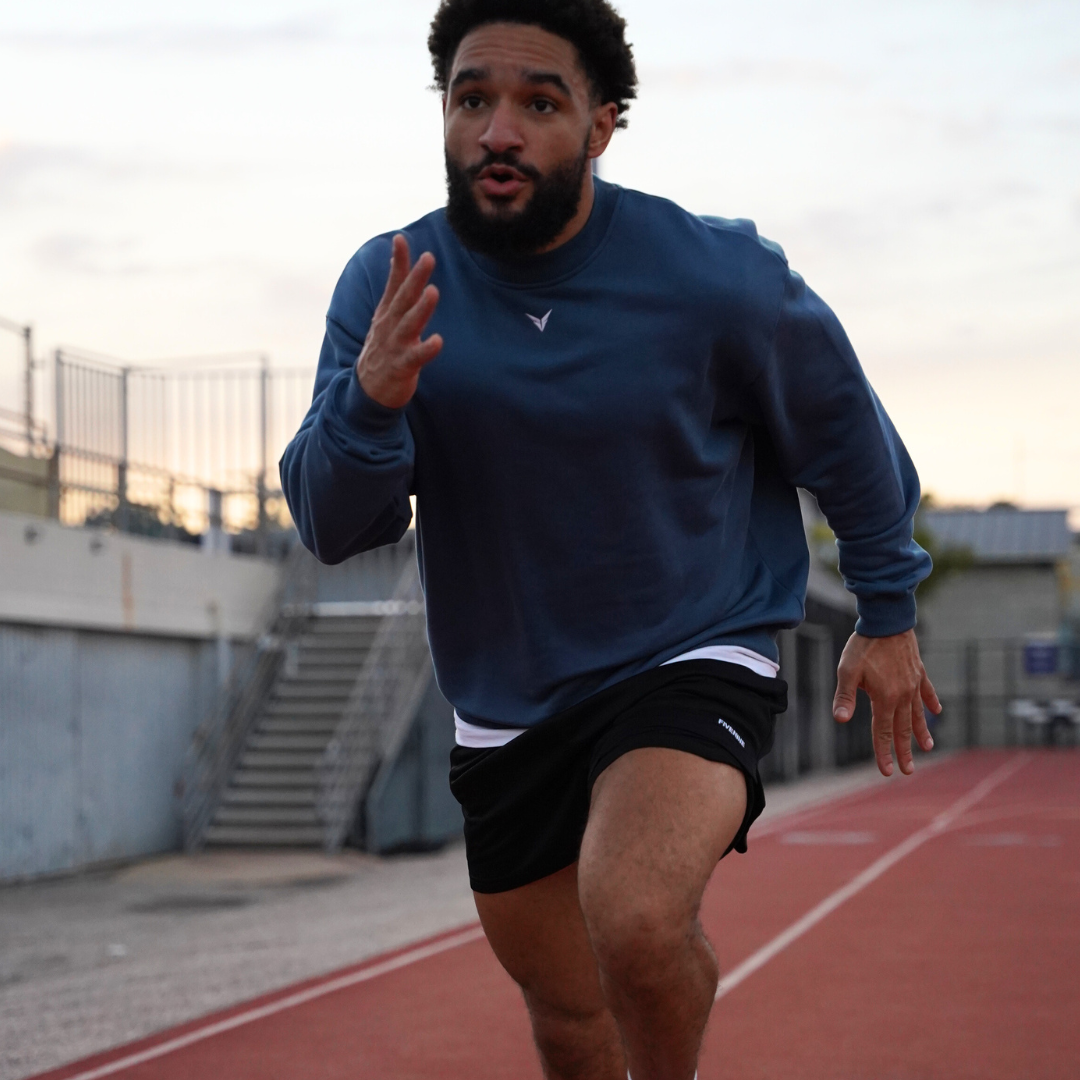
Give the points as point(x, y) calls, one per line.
point(593, 27)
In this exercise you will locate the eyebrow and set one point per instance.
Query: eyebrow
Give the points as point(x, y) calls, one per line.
point(470, 75)
point(535, 78)
point(548, 78)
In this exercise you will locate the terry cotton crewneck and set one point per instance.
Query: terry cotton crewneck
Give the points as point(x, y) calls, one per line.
point(605, 455)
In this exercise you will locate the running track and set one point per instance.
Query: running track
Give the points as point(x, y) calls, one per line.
point(924, 928)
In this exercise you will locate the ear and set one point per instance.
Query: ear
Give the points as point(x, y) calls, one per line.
point(604, 118)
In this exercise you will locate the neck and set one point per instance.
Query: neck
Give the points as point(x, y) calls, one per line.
point(578, 221)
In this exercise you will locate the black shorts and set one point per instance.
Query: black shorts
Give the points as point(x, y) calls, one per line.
point(526, 803)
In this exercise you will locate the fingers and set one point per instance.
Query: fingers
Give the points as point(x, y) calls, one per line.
point(881, 725)
point(416, 318)
point(426, 351)
point(918, 725)
point(843, 706)
point(902, 723)
point(929, 695)
point(411, 288)
point(399, 270)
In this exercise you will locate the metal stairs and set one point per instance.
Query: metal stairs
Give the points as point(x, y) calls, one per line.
point(313, 716)
point(272, 795)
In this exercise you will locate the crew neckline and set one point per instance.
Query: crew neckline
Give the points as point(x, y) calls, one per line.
point(564, 260)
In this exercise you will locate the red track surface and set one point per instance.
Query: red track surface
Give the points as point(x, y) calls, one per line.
point(962, 959)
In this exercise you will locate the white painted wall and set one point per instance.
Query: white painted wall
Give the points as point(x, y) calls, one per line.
point(51, 575)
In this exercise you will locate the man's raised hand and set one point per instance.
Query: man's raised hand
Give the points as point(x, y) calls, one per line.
point(393, 354)
point(891, 672)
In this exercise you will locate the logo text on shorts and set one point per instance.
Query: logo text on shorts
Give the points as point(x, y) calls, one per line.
point(727, 727)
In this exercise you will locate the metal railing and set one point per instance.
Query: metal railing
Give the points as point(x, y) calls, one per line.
point(21, 432)
point(376, 720)
point(978, 681)
point(173, 449)
point(176, 446)
point(219, 740)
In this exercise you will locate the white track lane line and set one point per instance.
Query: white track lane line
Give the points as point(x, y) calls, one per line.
point(474, 933)
point(870, 874)
point(404, 959)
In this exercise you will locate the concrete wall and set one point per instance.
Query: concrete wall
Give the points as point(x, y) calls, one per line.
point(93, 729)
point(111, 648)
point(972, 632)
point(411, 807)
point(993, 601)
point(24, 483)
point(55, 576)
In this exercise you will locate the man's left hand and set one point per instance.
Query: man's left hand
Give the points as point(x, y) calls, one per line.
point(891, 672)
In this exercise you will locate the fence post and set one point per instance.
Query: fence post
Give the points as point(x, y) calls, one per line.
point(787, 729)
point(264, 436)
point(58, 427)
point(122, 516)
point(824, 751)
point(1010, 691)
point(971, 692)
point(28, 389)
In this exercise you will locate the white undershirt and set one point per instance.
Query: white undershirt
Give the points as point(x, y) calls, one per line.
point(482, 738)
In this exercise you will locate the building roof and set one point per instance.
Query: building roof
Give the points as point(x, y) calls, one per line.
point(1003, 534)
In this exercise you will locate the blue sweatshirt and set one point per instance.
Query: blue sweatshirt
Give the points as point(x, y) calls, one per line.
point(605, 455)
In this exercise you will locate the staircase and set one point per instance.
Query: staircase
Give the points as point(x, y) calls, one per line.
point(271, 796)
point(313, 717)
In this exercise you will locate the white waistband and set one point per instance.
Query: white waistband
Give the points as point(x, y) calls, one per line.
point(731, 654)
point(483, 738)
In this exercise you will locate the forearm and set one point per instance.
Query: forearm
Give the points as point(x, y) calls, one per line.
point(346, 475)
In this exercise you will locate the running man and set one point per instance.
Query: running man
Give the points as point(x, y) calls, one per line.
point(603, 405)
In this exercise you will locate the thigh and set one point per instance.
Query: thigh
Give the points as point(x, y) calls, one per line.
point(659, 822)
point(538, 933)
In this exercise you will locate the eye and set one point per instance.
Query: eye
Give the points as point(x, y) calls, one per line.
point(543, 106)
point(471, 101)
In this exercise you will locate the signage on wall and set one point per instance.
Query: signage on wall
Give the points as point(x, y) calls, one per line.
point(1040, 658)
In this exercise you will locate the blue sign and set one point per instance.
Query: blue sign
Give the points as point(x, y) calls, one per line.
point(1040, 658)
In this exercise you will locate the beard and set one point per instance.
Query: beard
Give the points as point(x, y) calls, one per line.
point(510, 234)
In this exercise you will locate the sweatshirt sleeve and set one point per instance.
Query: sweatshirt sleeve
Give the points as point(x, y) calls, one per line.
point(833, 438)
point(347, 473)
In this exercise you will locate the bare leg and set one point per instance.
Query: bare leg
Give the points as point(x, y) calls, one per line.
point(659, 822)
point(539, 936)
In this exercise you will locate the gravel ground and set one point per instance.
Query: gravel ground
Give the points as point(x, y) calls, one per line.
point(95, 960)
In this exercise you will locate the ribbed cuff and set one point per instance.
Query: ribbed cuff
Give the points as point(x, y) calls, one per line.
point(883, 616)
point(365, 415)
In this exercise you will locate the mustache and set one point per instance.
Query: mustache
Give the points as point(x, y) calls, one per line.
point(510, 160)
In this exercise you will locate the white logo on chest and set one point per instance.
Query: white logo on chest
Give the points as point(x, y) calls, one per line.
point(539, 323)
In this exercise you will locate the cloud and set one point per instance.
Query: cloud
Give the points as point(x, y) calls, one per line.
point(204, 38)
point(20, 160)
point(82, 254)
point(747, 71)
point(296, 293)
point(27, 170)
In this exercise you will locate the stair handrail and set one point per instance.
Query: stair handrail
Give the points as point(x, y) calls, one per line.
point(384, 699)
point(216, 745)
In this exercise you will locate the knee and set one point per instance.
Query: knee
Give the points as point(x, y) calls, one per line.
point(571, 1034)
point(639, 940)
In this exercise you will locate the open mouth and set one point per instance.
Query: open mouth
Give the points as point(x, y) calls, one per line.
point(501, 180)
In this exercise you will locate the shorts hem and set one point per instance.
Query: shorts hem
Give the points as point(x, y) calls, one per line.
point(490, 886)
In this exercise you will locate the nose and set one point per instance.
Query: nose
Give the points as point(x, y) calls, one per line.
point(502, 133)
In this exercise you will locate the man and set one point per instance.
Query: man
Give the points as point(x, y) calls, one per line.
point(604, 430)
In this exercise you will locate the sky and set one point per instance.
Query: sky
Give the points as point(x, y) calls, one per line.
point(191, 179)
